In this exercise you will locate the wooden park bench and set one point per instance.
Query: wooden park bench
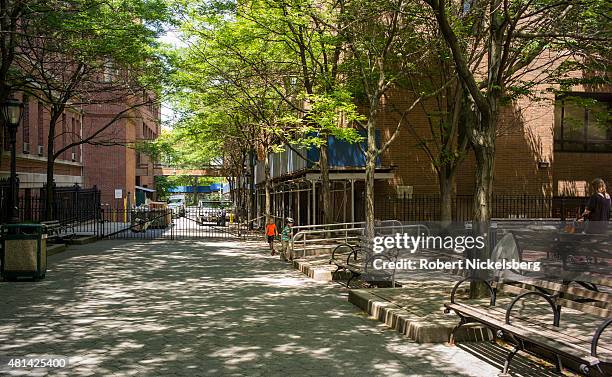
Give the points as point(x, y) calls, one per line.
point(578, 302)
point(56, 232)
point(577, 251)
point(355, 259)
point(358, 259)
point(535, 240)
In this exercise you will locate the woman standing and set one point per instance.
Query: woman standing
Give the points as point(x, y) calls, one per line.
point(597, 210)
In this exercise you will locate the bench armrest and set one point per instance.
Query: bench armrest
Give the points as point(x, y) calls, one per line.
point(597, 335)
point(333, 254)
point(491, 290)
point(548, 298)
point(353, 254)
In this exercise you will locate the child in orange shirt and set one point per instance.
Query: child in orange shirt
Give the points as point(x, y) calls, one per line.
point(271, 232)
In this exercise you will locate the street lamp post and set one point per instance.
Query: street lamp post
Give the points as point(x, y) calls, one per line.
point(11, 111)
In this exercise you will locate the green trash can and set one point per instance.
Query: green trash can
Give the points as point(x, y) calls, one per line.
point(24, 251)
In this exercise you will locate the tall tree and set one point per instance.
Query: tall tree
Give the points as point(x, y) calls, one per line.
point(511, 36)
point(99, 53)
point(227, 103)
point(15, 19)
point(254, 60)
point(312, 53)
point(443, 138)
point(382, 51)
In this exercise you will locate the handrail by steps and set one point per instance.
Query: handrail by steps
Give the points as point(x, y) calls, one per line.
point(356, 233)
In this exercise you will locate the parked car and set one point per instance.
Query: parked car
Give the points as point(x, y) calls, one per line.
point(176, 203)
point(211, 211)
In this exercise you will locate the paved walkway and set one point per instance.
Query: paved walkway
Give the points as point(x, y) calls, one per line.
point(194, 308)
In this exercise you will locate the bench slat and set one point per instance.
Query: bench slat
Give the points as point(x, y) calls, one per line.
point(560, 288)
point(583, 338)
point(584, 307)
point(544, 338)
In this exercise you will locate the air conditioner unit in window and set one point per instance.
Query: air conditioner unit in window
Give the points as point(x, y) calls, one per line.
point(40, 150)
point(26, 148)
point(404, 192)
point(73, 156)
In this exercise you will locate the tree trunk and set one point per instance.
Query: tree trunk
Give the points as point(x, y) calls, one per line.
point(484, 151)
point(370, 170)
point(325, 185)
point(196, 195)
point(232, 187)
point(50, 190)
point(485, 156)
point(251, 199)
point(446, 181)
point(238, 196)
point(455, 144)
point(267, 184)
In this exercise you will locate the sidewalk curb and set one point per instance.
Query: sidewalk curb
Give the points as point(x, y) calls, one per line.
point(319, 271)
point(53, 249)
point(418, 328)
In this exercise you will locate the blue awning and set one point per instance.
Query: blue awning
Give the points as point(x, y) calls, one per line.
point(215, 187)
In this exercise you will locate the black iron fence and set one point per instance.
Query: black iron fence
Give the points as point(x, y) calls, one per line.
point(151, 223)
point(428, 207)
point(5, 193)
point(69, 205)
point(73, 203)
point(135, 223)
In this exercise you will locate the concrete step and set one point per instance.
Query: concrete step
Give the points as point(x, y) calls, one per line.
point(421, 319)
point(319, 269)
point(314, 250)
point(55, 248)
point(82, 240)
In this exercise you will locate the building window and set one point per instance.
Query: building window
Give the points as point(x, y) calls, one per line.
point(63, 134)
point(25, 124)
point(110, 72)
point(73, 137)
point(583, 123)
point(40, 124)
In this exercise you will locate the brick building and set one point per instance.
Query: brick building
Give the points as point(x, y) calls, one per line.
point(110, 162)
point(32, 143)
point(553, 147)
point(545, 149)
point(114, 165)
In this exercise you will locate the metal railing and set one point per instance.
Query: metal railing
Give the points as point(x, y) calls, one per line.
point(339, 226)
point(324, 233)
point(323, 237)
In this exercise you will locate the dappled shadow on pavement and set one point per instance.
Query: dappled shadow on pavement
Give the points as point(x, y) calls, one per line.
point(203, 308)
point(522, 365)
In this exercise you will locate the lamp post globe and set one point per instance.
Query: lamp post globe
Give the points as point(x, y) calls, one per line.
point(11, 111)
